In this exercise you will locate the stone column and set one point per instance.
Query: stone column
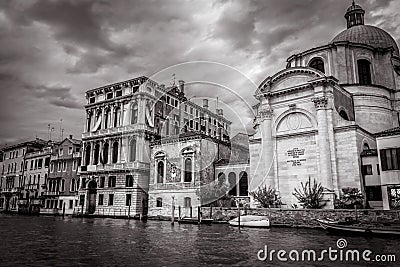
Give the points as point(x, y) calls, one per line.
point(267, 144)
point(119, 149)
point(325, 165)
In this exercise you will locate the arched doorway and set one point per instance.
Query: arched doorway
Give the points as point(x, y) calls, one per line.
point(92, 192)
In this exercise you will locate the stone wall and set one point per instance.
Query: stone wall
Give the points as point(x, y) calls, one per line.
point(303, 217)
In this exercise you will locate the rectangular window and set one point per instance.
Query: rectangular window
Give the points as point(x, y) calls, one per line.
point(128, 199)
point(64, 166)
point(191, 110)
point(74, 165)
point(83, 185)
point(71, 204)
point(374, 193)
point(102, 179)
point(118, 93)
point(109, 95)
point(61, 152)
point(159, 202)
point(101, 199)
point(47, 162)
point(366, 169)
point(59, 166)
point(394, 197)
point(390, 159)
point(110, 199)
point(69, 150)
point(31, 165)
point(40, 163)
point(92, 100)
point(112, 181)
point(52, 167)
point(81, 200)
point(377, 169)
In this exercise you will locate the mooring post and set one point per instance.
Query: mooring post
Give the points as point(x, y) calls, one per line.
point(210, 211)
point(173, 211)
point(179, 212)
point(191, 211)
point(63, 209)
point(198, 214)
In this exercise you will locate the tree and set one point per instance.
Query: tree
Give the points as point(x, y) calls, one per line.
point(350, 198)
point(267, 197)
point(310, 197)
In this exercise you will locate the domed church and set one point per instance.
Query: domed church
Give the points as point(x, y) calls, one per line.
point(326, 116)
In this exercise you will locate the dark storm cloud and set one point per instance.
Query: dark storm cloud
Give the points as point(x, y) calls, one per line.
point(52, 51)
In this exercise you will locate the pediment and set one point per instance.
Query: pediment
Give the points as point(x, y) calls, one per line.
point(288, 78)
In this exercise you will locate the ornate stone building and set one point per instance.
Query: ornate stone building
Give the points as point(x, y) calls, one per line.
point(13, 182)
point(317, 116)
point(122, 120)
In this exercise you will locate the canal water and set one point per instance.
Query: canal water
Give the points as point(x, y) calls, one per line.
point(54, 241)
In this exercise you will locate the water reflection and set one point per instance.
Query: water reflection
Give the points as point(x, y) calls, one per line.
point(54, 241)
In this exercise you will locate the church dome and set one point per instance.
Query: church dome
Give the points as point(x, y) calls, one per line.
point(369, 35)
point(359, 33)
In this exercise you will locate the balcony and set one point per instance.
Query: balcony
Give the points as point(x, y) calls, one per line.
point(51, 193)
point(114, 166)
point(22, 202)
point(11, 190)
point(173, 186)
point(116, 130)
point(32, 187)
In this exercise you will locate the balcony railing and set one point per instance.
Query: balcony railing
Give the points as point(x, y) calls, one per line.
point(51, 193)
point(32, 187)
point(76, 154)
point(114, 166)
point(172, 186)
point(114, 130)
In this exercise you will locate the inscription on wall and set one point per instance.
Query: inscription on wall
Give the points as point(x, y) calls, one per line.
point(296, 156)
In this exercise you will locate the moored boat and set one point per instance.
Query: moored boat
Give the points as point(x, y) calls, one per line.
point(194, 220)
point(251, 221)
point(358, 229)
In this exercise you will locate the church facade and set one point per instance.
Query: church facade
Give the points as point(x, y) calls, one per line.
point(315, 118)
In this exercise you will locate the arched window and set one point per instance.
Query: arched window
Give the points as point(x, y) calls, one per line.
point(232, 183)
point(115, 152)
point(87, 156)
point(107, 118)
point(132, 150)
point(159, 202)
point(129, 181)
point(365, 146)
point(243, 184)
point(72, 186)
point(105, 153)
point(160, 172)
point(364, 72)
point(96, 154)
point(117, 116)
point(188, 170)
point(134, 113)
point(89, 121)
point(187, 202)
point(343, 114)
point(318, 64)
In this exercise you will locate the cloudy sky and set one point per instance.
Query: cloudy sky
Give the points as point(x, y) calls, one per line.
point(53, 51)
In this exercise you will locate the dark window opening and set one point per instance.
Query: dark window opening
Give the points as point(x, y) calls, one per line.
point(390, 159)
point(128, 199)
point(366, 169)
point(317, 64)
point(364, 72)
point(160, 172)
point(343, 114)
point(243, 184)
point(110, 199)
point(101, 199)
point(129, 181)
point(188, 170)
point(374, 193)
point(159, 202)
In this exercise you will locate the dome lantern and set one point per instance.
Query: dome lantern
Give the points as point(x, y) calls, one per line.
point(354, 15)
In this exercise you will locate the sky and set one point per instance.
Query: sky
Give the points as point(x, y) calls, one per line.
point(53, 51)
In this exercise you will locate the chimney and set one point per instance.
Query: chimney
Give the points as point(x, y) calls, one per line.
point(181, 86)
point(220, 112)
point(205, 103)
point(162, 86)
point(70, 136)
